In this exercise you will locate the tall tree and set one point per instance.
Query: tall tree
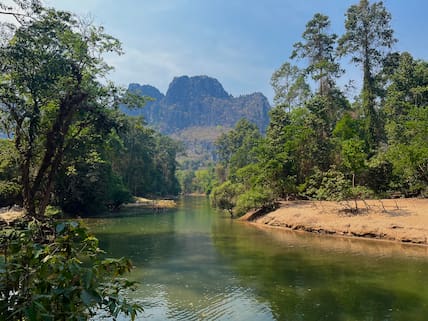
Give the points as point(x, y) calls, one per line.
point(290, 87)
point(135, 155)
point(319, 48)
point(50, 91)
point(367, 38)
point(406, 107)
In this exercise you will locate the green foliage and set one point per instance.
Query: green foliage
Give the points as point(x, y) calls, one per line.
point(353, 155)
point(10, 189)
point(225, 196)
point(368, 32)
point(290, 87)
point(185, 179)
point(205, 180)
point(101, 171)
point(164, 180)
point(10, 193)
point(131, 152)
point(144, 159)
point(50, 92)
point(407, 126)
point(322, 146)
point(9, 160)
point(347, 128)
point(360, 193)
point(331, 185)
point(254, 198)
point(55, 271)
point(200, 181)
point(367, 38)
point(379, 174)
point(318, 47)
point(236, 147)
point(89, 186)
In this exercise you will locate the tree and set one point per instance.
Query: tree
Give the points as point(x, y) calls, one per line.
point(408, 89)
point(186, 179)
point(406, 107)
point(133, 151)
point(164, 182)
point(235, 148)
point(353, 156)
point(290, 87)
point(367, 38)
point(50, 92)
point(204, 180)
point(10, 189)
point(55, 271)
point(318, 48)
point(225, 196)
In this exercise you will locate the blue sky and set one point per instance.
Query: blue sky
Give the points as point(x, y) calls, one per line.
point(239, 42)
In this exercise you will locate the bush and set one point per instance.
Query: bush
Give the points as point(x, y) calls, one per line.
point(55, 271)
point(225, 196)
point(10, 193)
point(331, 185)
point(253, 199)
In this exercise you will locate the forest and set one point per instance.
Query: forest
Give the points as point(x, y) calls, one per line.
point(66, 143)
point(322, 145)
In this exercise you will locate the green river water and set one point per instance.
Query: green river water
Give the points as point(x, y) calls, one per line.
point(196, 264)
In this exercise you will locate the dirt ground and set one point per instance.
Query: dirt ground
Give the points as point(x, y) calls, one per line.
point(10, 215)
point(402, 220)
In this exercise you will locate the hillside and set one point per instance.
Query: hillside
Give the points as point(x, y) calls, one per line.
point(196, 110)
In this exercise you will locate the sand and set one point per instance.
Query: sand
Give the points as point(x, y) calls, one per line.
point(10, 216)
point(142, 202)
point(401, 220)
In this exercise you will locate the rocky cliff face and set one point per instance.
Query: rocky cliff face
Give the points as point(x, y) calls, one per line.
point(199, 101)
point(186, 89)
point(196, 110)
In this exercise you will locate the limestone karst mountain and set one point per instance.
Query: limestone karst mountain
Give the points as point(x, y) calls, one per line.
point(196, 110)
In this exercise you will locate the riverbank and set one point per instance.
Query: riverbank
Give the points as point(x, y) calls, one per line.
point(9, 216)
point(139, 202)
point(157, 204)
point(401, 220)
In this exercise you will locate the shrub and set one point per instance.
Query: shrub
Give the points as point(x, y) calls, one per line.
point(55, 271)
point(10, 193)
point(225, 196)
point(331, 185)
point(253, 199)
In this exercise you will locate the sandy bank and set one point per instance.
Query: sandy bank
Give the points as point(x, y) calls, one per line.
point(159, 204)
point(402, 220)
point(10, 216)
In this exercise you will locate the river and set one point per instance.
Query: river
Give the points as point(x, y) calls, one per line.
point(194, 263)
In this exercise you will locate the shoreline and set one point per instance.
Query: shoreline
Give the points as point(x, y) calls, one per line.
point(397, 220)
point(156, 204)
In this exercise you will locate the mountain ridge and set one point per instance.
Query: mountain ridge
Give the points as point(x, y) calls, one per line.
point(197, 110)
point(198, 101)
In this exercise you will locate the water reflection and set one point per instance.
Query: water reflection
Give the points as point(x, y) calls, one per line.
point(194, 264)
point(316, 278)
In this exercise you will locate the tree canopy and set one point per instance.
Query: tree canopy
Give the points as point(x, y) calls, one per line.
point(63, 118)
point(320, 144)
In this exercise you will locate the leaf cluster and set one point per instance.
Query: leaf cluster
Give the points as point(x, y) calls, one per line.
point(56, 271)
